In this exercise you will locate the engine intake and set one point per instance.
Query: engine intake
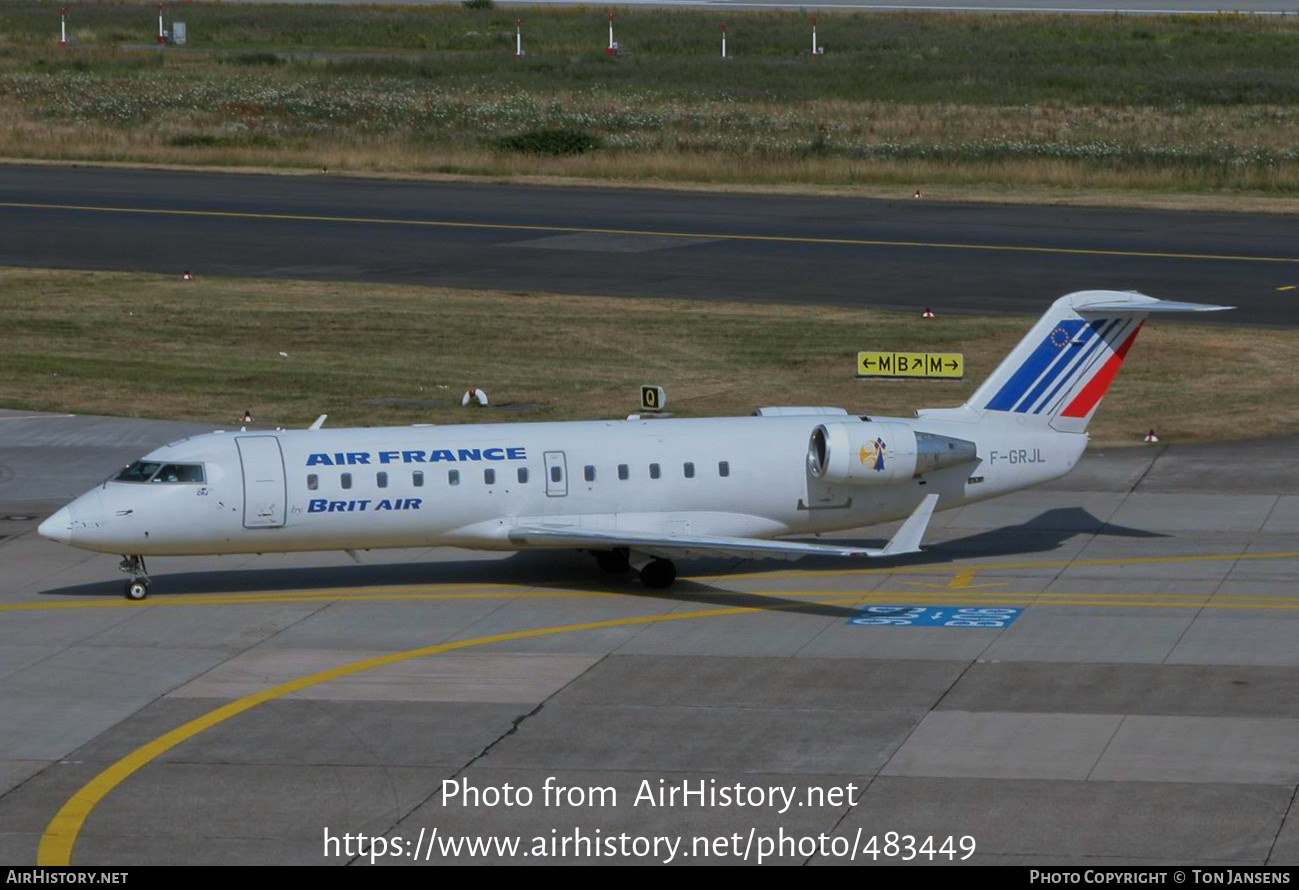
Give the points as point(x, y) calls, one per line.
point(875, 453)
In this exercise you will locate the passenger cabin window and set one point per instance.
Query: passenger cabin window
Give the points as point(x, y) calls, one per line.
point(453, 477)
point(382, 479)
point(622, 472)
point(523, 475)
point(154, 471)
point(347, 480)
point(417, 478)
point(589, 473)
point(313, 482)
point(689, 470)
point(489, 476)
point(724, 468)
point(556, 474)
point(655, 472)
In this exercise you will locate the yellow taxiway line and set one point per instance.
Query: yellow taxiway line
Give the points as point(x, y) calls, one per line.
point(911, 596)
point(61, 834)
point(1010, 566)
point(644, 233)
point(453, 591)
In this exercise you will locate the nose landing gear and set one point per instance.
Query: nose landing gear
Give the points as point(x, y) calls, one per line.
point(137, 588)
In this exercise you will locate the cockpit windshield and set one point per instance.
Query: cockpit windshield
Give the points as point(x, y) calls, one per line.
point(155, 471)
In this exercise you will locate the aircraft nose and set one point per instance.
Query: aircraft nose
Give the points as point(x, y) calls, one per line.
point(58, 527)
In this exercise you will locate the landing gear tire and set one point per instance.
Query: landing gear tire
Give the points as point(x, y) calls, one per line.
point(138, 587)
point(614, 562)
point(658, 574)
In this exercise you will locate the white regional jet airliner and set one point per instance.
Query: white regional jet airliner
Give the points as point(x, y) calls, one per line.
point(636, 493)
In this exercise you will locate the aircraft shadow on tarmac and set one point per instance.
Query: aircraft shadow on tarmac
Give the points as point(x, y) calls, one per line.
point(571, 570)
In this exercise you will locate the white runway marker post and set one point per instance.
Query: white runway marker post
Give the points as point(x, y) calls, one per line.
point(613, 47)
point(817, 50)
point(162, 35)
point(63, 27)
point(518, 38)
point(723, 40)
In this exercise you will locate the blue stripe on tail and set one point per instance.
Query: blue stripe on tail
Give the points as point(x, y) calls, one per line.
point(1064, 367)
point(1047, 351)
point(1083, 361)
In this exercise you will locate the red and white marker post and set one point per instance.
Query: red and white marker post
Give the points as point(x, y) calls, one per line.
point(162, 36)
point(518, 38)
point(613, 47)
point(723, 40)
point(814, 50)
point(63, 27)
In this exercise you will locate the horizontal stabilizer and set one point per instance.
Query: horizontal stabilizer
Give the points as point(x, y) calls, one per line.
point(1152, 306)
point(907, 540)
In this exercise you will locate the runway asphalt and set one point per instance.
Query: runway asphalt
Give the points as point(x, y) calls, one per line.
point(906, 253)
point(1143, 707)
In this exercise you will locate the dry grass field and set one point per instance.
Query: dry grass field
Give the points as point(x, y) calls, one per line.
point(148, 346)
point(1181, 105)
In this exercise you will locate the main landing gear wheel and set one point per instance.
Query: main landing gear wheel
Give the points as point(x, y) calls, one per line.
point(615, 561)
point(658, 573)
point(138, 587)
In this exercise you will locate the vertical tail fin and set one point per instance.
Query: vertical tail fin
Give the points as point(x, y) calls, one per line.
point(1063, 367)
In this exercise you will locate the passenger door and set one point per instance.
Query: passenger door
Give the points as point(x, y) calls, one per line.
point(556, 474)
point(264, 489)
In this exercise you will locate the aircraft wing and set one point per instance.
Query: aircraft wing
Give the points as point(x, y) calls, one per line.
point(907, 540)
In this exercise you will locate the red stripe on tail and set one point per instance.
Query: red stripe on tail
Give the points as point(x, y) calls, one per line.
point(1087, 400)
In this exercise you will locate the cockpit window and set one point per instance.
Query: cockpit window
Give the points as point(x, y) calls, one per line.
point(179, 473)
point(140, 471)
point(154, 471)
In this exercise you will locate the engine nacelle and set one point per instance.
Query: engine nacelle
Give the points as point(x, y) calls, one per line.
point(878, 453)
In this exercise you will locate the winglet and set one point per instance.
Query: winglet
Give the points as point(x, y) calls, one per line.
point(318, 422)
point(907, 539)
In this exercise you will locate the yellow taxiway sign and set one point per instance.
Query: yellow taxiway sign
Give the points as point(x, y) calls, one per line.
point(911, 364)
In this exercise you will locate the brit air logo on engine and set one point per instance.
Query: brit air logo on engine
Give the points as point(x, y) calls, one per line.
point(1017, 456)
point(442, 455)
